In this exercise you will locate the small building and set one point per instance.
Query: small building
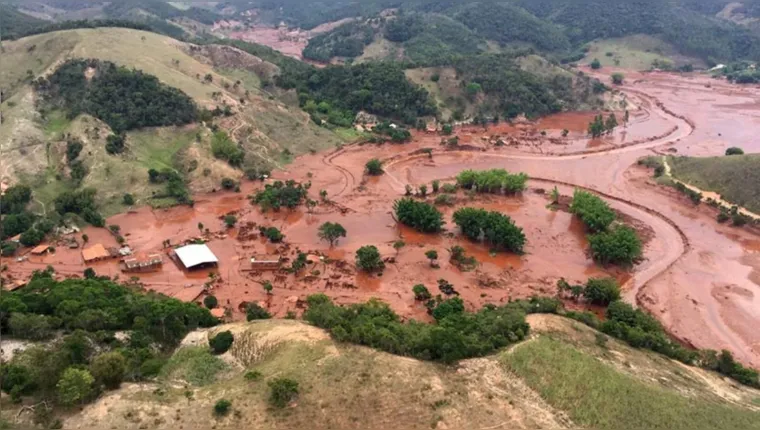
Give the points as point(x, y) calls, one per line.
point(196, 256)
point(265, 262)
point(40, 249)
point(15, 239)
point(151, 263)
point(96, 252)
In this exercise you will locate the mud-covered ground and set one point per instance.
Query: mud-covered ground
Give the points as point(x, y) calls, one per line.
point(699, 278)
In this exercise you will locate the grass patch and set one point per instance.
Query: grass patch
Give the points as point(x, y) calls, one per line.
point(634, 52)
point(56, 123)
point(728, 176)
point(595, 395)
point(195, 365)
point(156, 148)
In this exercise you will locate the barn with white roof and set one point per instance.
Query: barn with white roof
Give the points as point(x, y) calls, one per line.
point(196, 256)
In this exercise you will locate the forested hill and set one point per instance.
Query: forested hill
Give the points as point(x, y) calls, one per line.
point(694, 27)
point(15, 22)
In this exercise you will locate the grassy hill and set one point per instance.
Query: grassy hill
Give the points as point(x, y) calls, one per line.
point(263, 125)
point(728, 176)
point(565, 375)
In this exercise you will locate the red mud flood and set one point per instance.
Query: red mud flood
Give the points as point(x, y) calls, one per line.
point(700, 279)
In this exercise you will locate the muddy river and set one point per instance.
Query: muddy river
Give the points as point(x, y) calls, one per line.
point(701, 279)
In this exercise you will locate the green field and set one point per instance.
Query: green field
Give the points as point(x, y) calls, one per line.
point(596, 395)
point(734, 177)
point(636, 52)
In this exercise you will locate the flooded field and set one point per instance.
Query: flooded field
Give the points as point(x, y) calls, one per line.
point(699, 278)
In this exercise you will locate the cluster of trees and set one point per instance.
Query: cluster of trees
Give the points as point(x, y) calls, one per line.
point(380, 88)
point(80, 202)
point(78, 170)
point(16, 219)
point(175, 185)
point(610, 244)
point(496, 181)
point(599, 126)
point(495, 229)
point(124, 99)
point(224, 148)
point(421, 216)
point(82, 356)
point(598, 291)
point(395, 133)
point(323, 113)
point(347, 40)
point(368, 259)
point(741, 72)
point(456, 335)
point(289, 194)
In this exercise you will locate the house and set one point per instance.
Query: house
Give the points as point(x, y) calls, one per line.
point(96, 252)
point(265, 262)
point(40, 249)
point(151, 263)
point(196, 256)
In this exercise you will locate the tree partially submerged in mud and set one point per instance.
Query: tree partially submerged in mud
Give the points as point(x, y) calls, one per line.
point(619, 245)
point(493, 228)
point(289, 194)
point(420, 216)
point(368, 259)
point(594, 212)
point(495, 181)
point(331, 232)
point(374, 167)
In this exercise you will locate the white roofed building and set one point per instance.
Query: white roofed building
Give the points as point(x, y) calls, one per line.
point(196, 256)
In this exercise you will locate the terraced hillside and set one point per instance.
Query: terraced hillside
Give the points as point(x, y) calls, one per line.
point(213, 76)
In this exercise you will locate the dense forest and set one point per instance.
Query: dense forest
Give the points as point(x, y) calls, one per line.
point(15, 23)
point(82, 356)
point(124, 99)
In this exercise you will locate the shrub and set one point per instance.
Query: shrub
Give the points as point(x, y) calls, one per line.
point(436, 185)
point(128, 200)
point(289, 194)
point(228, 183)
point(495, 229)
point(283, 391)
point(368, 259)
point(447, 129)
point(75, 386)
point(620, 245)
point(421, 216)
point(221, 342)
point(210, 302)
point(493, 181)
point(449, 188)
point(596, 64)
point(272, 233)
point(108, 369)
point(447, 308)
point(222, 407)
point(617, 78)
point(734, 151)
point(255, 312)
point(374, 167)
point(252, 375)
point(443, 200)
point(602, 291)
point(431, 255)
point(230, 221)
point(421, 293)
point(594, 212)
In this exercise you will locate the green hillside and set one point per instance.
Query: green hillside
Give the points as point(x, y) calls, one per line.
point(30, 143)
point(14, 22)
point(729, 176)
point(562, 377)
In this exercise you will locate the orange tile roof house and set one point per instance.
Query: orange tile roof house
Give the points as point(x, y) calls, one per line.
point(40, 249)
point(94, 253)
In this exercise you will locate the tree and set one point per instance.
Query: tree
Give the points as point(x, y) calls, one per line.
point(282, 392)
point(108, 369)
point(447, 308)
point(494, 228)
point(374, 167)
point(368, 259)
point(255, 312)
point(267, 287)
point(85, 238)
point(31, 237)
point(75, 386)
point(299, 263)
point(310, 205)
point(436, 185)
point(421, 293)
point(272, 233)
point(222, 406)
point(596, 64)
point(115, 144)
point(611, 123)
point(618, 78)
point(473, 89)
point(734, 151)
point(323, 195)
point(421, 216)
point(230, 220)
point(447, 129)
point(89, 273)
point(423, 190)
point(200, 227)
point(620, 245)
point(431, 255)
point(30, 326)
point(597, 127)
point(601, 291)
point(397, 245)
point(331, 232)
point(221, 342)
point(210, 301)
point(128, 199)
